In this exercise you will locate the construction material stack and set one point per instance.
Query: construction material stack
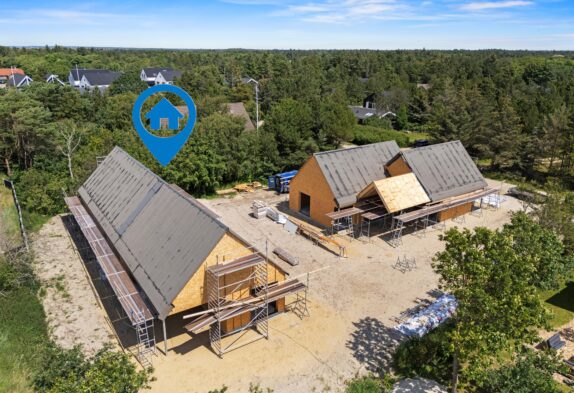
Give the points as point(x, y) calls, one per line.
point(259, 209)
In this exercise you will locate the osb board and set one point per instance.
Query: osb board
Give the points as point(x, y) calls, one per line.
point(193, 294)
point(401, 192)
point(398, 167)
point(311, 181)
point(454, 212)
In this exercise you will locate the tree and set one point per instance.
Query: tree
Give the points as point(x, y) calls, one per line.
point(556, 126)
point(128, 82)
point(291, 123)
point(541, 249)
point(557, 214)
point(529, 372)
point(498, 306)
point(69, 139)
point(336, 121)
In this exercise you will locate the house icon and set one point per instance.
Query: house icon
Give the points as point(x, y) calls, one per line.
point(164, 110)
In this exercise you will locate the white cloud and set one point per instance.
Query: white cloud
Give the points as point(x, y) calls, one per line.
point(340, 11)
point(487, 5)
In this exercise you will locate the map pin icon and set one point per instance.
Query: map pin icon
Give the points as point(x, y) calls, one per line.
point(164, 149)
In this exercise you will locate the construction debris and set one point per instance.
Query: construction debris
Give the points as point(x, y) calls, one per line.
point(286, 256)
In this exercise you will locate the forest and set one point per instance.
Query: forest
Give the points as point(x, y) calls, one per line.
point(514, 112)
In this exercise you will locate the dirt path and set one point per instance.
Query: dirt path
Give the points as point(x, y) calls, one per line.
point(73, 314)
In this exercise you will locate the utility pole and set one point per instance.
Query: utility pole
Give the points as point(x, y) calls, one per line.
point(256, 85)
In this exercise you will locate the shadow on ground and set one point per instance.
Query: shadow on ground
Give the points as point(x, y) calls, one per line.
point(373, 344)
point(563, 299)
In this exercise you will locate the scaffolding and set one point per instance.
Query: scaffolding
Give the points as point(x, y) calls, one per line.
point(131, 300)
point(224, 303)
point(220, 299)
point(421, 218)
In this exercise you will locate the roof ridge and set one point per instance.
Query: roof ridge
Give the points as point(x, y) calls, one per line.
point(191, 200)
point(351, 148)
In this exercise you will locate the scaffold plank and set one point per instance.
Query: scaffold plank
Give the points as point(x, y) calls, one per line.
point(123, 286)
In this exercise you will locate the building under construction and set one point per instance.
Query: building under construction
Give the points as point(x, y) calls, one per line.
point(165, 255)
point(380, 186)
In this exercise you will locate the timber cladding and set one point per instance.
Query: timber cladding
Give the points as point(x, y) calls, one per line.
point(454, 212)
point(398, 167)
point(311, 181)
point(194, 294)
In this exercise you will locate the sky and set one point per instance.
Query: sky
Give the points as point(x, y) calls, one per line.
point(291, 24)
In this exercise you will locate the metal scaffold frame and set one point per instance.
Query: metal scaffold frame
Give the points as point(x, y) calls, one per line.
point(131, 300)
point(220, 302)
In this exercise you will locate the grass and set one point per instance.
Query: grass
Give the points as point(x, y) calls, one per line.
point(34, 221)
point(23, 336)
point(9, 216)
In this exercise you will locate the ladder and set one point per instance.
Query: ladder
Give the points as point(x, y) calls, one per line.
point(397, 233)
point(146, 339)
point(214, 303)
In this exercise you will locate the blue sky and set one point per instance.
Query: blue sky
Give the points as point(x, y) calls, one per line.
point(298, 24)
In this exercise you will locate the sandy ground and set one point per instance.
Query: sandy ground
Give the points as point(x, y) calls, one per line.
point(353, 304)
point(73, 314)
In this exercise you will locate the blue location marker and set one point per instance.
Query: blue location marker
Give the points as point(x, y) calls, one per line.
point(164, 149)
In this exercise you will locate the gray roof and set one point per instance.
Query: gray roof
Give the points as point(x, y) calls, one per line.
point(168, 75)
point(153, 71)
point(101, 77)
point(348, 171)
point(362, 113)
point(162, 235)
point(18, 79)
point(444, 170)
point(238, 109)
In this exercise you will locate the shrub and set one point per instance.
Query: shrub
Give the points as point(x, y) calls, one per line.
point(364, 135)
point(69, 371)
point(426, 357)
point(364, 385)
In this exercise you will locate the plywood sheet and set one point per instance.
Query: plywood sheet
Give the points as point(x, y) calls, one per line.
point(399, 192)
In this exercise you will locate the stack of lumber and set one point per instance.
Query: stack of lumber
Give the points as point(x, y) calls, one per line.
point(248, 187)
point(259, 209)
point(286, 256)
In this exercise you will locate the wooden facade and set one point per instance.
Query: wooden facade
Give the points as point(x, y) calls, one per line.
point(454, 212)
point(194, 294)
point(398, 167)
point(311, 182)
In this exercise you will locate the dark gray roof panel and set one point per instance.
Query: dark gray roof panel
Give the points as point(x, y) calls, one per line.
point(348, 171)
point(161, 235)
point(444, 170)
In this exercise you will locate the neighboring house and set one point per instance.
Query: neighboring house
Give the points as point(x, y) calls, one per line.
point(5, 74)
point(362, 114)
point(439, 180)
point(159, 75)
point(331, 180)
point(164, 110)
point(53, 78)
point(370, 100)
point(163, 253)
point(238, 109)
point(425, 86)
point(18, 81)
point(97, 79)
